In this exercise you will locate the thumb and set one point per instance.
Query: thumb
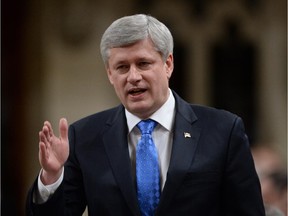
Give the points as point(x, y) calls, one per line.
point(63, 129)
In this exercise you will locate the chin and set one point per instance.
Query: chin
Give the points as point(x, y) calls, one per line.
point(140, 111)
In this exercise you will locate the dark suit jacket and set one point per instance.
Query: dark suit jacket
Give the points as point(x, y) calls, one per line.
point(211, 173)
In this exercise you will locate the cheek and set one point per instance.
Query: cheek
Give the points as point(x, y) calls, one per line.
point(163, 79)
point(112, 78)
point(118, 83)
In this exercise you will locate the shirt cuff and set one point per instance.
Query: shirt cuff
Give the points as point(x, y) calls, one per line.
point(45, 191)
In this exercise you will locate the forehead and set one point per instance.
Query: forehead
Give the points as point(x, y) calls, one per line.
point(141, 49)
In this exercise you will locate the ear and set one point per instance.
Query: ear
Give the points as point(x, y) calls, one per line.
point(169, 64)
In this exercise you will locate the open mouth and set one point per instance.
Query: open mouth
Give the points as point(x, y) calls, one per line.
point(136, 91)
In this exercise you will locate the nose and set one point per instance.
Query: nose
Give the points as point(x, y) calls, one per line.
point(134, 75)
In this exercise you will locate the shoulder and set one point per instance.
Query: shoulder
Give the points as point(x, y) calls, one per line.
point(219, 120)
point(202, 113)
point(212, 113)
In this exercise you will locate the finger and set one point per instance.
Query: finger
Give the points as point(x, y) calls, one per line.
point(45, 138)
point(45, 135)
point(43, 154)
point(45, 131)
point(49, 127)
point(63, 129)
point(41, 137)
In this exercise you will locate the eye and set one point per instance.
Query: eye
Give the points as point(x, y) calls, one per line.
point(144, 64)
point(123, 68)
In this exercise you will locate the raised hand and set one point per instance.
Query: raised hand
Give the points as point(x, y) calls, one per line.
point(53, 151)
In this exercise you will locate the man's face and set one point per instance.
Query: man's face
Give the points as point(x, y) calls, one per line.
point(140, 77)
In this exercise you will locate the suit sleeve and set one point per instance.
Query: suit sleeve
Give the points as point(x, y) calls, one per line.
point(54, 205)
point(242, 192)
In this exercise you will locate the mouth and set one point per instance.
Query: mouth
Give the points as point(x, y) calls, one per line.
point(136, 91)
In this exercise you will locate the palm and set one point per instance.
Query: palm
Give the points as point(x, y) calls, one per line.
point(53, 151)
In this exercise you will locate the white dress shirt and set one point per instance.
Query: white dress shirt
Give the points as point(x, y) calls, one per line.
point(162, 137)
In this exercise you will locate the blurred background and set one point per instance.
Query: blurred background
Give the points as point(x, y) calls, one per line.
point(230, 54)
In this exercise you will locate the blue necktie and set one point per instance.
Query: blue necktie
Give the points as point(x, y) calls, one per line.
point(147, 169)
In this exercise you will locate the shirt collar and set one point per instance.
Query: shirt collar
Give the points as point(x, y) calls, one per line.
point(160, 115)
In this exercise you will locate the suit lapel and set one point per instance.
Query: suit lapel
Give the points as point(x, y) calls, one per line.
point(185, 140)
point(116, 145)
point(183, 150)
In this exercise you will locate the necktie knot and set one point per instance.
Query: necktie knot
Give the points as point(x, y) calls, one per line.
point(146, 126)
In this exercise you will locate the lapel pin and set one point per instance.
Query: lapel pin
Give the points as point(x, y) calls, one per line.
point(187, 135)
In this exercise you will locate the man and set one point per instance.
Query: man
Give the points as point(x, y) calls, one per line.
point(203, 162)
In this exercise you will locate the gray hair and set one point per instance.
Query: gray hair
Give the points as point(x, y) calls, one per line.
point(131, 29)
